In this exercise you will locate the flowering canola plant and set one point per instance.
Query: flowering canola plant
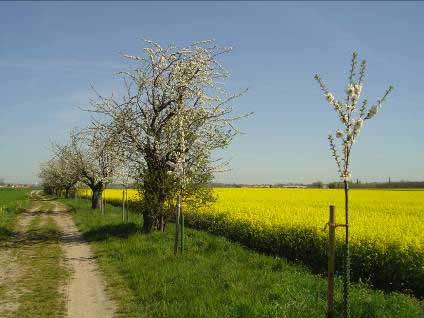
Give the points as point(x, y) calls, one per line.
point(380, 215)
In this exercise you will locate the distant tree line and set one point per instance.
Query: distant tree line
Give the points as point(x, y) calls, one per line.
point(332, 185)
point(379, 185)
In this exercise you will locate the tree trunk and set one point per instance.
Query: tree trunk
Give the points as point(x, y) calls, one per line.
point(154, 194)
point(153, 207)
point(147, 222)
point(152, 217)
point(162, 222)
point(67, 193)
point(96, 196)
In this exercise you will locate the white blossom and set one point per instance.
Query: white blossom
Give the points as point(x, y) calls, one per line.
point(345, 176)
point(357, 126)
point(337, 106)
point(330, 98)
point(358, 89)
point(372, 112)
point(350, 90)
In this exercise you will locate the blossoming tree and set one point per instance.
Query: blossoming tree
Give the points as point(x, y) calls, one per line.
point(49, 176)
point(93, 155)
point(58, 175)
point(352, 115)
point(169, 93)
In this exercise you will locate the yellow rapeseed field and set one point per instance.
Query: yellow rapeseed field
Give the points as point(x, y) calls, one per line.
point(374, 214)
point(379, 215)
point(386, 228)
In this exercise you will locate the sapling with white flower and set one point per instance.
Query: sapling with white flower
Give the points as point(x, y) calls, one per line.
point(352, 114)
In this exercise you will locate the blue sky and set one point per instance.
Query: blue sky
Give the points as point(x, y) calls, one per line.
point(50, 53)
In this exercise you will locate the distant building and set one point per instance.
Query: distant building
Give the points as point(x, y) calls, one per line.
point(16, 185)
point(294, 186)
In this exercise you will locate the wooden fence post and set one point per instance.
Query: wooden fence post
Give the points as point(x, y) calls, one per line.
point(331, 261)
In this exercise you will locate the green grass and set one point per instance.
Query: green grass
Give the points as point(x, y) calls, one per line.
point(214, 278)
point(12, 201)
point(10, 195)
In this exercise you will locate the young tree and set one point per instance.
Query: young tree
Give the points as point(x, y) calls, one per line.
point(352, 118)
point(165, 85)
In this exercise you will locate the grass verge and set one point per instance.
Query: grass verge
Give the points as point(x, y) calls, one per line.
point(214, 278)
point(45, 274)
point(12, 202)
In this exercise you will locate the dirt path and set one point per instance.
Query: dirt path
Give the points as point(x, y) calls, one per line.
point(22, 265)
point(86, 297)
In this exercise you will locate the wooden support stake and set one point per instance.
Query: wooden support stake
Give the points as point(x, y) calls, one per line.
point(123, 205)
point(177, 225)
point(127, 215)
point(182, 232)
point(103, 203)
point(331, 261)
